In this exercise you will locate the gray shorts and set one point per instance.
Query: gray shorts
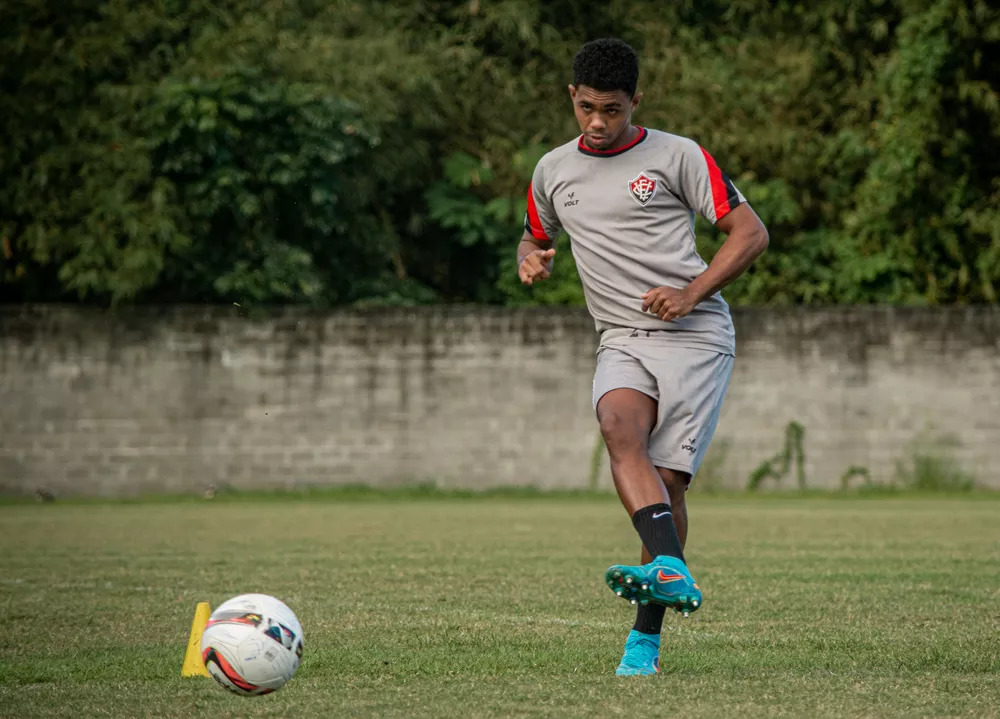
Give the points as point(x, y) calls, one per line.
point(688, 386)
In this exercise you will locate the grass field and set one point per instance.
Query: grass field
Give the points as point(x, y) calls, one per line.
point(440, 607)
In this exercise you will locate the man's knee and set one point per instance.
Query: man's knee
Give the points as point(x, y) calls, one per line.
point(622, 432)
point(675, 482)
point(626, 417)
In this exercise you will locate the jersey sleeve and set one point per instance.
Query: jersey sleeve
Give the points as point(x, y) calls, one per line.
point(704, 187)
point(540, 220)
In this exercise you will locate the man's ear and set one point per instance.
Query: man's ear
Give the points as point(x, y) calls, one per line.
point(636, 99)
point(572, 92)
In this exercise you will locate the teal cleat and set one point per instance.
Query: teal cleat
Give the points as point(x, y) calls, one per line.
point(665, 580)
point(642, 655)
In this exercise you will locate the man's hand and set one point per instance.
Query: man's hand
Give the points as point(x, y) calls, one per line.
point(536, 265)
point(668, 303)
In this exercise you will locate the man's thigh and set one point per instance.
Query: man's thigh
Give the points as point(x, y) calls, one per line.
point(688, 386)
point(617, 369)
point(692, 384)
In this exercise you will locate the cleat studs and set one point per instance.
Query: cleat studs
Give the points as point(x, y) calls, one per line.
point(686, 614)
point(628, 580)
point(631, 601)
point(694, 603)
point(644, 602)
point(618, 592)
point(645, 586)
point(617, 575)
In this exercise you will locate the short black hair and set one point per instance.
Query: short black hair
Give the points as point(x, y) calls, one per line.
point(607, 64)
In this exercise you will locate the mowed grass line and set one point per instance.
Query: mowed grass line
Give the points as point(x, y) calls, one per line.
point(496, 607)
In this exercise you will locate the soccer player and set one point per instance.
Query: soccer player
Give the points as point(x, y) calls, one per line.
point(626, 195)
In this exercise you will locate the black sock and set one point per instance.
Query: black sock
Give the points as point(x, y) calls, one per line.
point(649, 618)
point(655, 525)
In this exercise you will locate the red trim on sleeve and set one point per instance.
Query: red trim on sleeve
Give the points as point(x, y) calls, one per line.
point(720, 195)
point(534, 221)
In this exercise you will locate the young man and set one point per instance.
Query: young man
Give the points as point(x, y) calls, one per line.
point(626, 195)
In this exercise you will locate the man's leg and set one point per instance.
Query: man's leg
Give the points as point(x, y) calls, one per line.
point(649, 617)
point(625, 401)
point(627, 417)
point(683, 429)
point(676, 484)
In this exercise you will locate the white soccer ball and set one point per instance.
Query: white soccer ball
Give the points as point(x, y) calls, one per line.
point(252, 644)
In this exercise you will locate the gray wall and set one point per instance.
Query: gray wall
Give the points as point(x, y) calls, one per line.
point(180, 398)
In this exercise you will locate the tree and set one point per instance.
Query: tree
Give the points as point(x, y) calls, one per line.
point(379, 152)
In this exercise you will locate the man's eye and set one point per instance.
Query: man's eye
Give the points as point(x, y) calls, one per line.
point(612, 112)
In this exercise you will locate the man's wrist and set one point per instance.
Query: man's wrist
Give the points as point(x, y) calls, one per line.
point(694, 293)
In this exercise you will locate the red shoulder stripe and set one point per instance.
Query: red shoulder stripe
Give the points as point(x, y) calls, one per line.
point(720, 195)
point(534, 223)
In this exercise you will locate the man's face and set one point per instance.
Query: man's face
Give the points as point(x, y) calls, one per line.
point(604, 115)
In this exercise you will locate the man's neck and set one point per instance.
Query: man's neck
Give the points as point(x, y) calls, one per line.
point(627, 136)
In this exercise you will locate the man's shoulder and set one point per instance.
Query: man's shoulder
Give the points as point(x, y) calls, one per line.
point(660, 138)
point(553, 157)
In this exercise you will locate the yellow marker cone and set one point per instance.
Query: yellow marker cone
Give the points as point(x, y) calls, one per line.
point(193, 665)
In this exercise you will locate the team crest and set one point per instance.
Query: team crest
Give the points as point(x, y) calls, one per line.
point(642, 189)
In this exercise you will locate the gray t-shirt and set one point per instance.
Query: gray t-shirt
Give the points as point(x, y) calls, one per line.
point(630, 217)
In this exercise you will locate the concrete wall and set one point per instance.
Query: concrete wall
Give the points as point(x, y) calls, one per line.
point(176, 399)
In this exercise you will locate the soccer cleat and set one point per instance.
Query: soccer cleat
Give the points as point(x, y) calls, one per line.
point(665, 580)
point(642, 655)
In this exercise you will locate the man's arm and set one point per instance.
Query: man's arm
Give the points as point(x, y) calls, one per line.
point(747, 239)
point(534, 258)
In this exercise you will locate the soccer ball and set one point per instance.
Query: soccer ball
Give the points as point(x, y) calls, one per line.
point(252, 644)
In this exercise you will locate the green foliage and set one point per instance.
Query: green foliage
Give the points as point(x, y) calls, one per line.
point(266, 172)
point(379, 152)
point(865, 113)
point(932, 466)
point(910, 224)
point(778, 466)
point(853, 471)
point(195, 176)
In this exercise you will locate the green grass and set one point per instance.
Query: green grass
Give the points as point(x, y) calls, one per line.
point(887, 606)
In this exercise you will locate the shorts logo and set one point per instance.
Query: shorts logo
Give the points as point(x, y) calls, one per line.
point(642, 189)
